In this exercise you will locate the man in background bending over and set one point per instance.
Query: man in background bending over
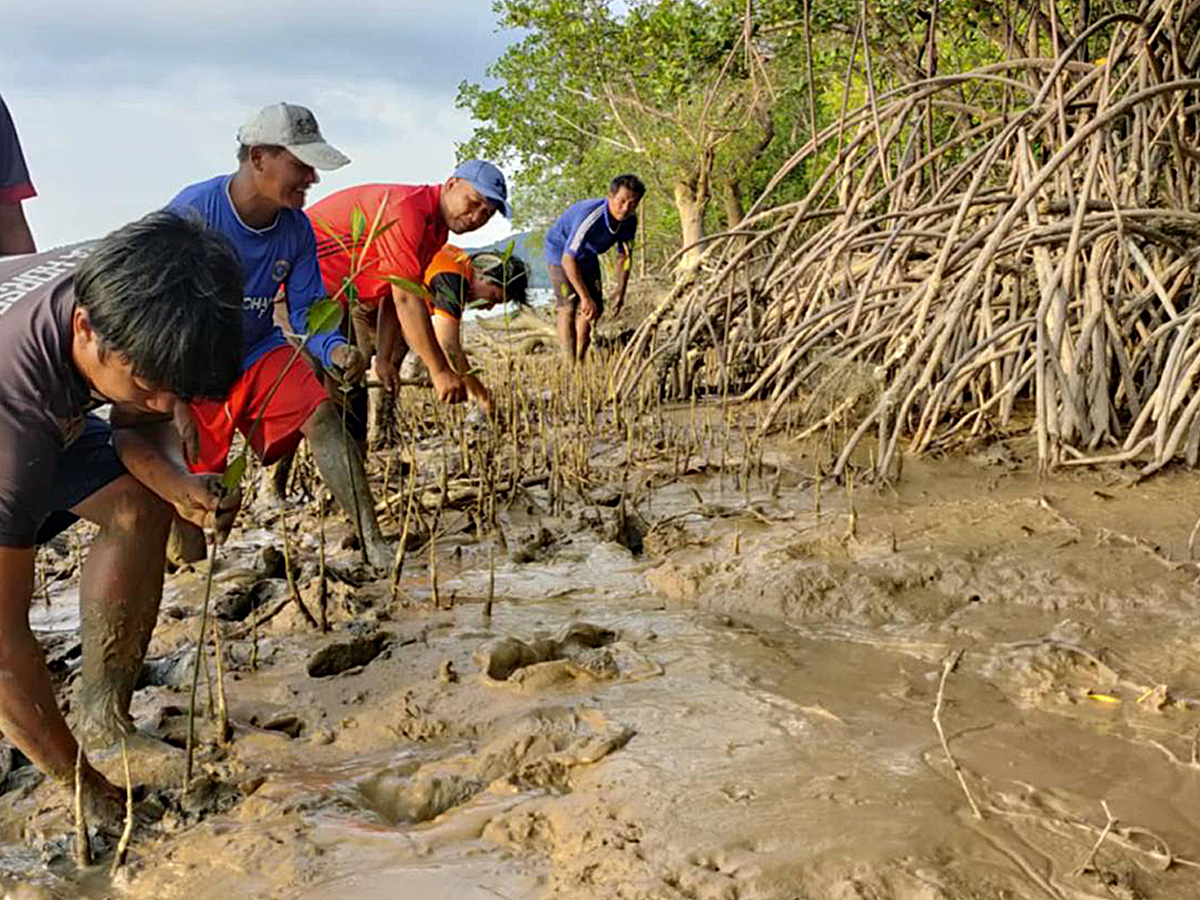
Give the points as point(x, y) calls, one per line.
point(147, 316)
point(573, 247)
point(15, 186)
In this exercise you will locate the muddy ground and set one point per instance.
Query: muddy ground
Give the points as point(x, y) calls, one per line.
point(722, 689)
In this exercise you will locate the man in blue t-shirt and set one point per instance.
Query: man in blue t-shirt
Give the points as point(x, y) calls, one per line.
point(259, 208)
point(573, 247)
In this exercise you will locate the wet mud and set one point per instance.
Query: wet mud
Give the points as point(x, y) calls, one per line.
point(718, 686)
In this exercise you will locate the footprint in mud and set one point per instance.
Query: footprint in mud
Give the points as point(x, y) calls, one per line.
point(581, 653)
point(537, 751)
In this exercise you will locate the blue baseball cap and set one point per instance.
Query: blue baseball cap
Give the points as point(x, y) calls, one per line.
point(488, 180)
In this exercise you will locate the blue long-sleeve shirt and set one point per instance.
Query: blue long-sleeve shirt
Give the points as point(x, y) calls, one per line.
point(281, 256)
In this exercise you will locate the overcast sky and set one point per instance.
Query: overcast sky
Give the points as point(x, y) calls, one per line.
point(119, 104)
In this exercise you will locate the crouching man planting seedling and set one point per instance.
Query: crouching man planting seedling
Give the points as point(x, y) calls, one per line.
point(145, 317)
point(458, 281)
point(258, 208)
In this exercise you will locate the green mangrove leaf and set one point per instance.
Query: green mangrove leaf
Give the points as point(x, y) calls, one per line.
point(323, 316)
point(233, 475)
point(358, 224)
point(405, 284)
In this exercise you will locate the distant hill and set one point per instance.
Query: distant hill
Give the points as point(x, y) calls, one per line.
point(529, 248)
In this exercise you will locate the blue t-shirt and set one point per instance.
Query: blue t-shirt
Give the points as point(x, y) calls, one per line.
point(585, 231)
point(282, 255)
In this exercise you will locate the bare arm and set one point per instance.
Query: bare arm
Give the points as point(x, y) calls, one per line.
point(15, 236)
point(152, 451)
point(625, 256)
point(448, 333)
point(587, 304)
point(418, 331)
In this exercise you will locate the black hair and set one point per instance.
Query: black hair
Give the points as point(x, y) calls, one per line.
point(165, 292)
point(511, 274)
point(243, 150)
point(632, 182)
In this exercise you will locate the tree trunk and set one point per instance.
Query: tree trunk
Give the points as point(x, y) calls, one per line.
point(732, 199)
point(691, 204)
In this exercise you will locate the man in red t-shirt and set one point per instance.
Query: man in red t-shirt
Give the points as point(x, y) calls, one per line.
point(390, 278)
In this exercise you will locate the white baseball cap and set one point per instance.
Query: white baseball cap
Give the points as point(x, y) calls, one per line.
point(295, 129)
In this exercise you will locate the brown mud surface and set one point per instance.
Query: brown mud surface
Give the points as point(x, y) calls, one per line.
point(721, 688)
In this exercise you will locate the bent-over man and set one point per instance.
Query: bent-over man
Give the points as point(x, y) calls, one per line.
point(389, 280)
point(458, 280)
point(573, 247)
point(145, 317)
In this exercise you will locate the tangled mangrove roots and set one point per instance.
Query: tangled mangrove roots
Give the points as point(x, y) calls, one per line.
point(1019, 232)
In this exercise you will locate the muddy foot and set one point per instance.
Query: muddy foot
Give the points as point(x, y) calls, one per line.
point(100, 726)
point(380, 556)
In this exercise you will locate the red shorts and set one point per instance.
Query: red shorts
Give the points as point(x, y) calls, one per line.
point(298, 395)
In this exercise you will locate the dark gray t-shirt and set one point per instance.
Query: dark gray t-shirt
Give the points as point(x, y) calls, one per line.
point(43, 398)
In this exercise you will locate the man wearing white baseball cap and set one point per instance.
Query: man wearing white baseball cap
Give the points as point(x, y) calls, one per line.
point(258, 208)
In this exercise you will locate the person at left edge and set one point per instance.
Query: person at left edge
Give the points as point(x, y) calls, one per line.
point(258, 208)
point(15, 186)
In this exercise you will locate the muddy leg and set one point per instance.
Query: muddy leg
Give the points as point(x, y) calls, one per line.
point(566, 333)
point(280, 473)
point(341, 466)
point(120, 589)
point(583, 337)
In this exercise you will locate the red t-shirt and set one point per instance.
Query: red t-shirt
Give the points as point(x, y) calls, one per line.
point(403, 250)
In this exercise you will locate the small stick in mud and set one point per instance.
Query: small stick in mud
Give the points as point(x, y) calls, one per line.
point(223, 729)
point(200, 656)
point(127, 831)
point(1191, 548)
point(950, 663)
point(398, 564)
point(487, 608)
point(1108, 826)
point(254, 642)
point(287, 568)
point(83, 848)
point(322, 585)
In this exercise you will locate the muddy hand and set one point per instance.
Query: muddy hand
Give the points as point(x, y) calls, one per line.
point(449, 386)
point(587, 308)
point(350, 361)
point(189, 432)
point(387, 373)
point(204, 502)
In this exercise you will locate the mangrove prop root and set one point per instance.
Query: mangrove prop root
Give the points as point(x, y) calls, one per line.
point(1040, 251)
